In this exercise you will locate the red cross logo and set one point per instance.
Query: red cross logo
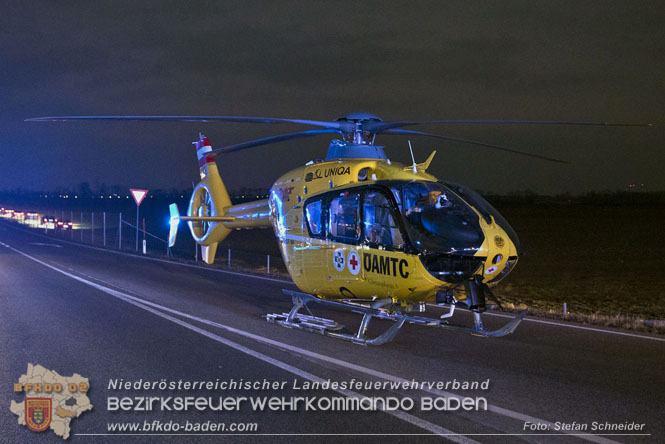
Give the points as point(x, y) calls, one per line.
point(354, 262)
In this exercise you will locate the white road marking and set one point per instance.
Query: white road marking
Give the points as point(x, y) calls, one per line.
point(140, 303)
point(45, 245)
point(146, 305)
point(580, 327)
point(155, 259)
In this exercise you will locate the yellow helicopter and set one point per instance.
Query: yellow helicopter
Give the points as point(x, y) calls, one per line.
point(359, 232)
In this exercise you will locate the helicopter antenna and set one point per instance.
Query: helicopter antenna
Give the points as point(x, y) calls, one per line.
point(415, 170)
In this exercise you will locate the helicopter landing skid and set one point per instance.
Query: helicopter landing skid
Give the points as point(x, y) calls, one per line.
point(328, 327)
point(477, 329)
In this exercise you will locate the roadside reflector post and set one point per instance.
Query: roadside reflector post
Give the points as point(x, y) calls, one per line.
point(144, 242)
point(138, 196)
point(120, 232)
point(92, 228)
point(81, 226)
point(229, 260)
point(268, 272)
point(565, 308)
point(71, 235)
point(104, 217)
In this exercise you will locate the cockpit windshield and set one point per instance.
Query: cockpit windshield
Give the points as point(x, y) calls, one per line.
point(431, 217)
point(485, 209)
point(436, 218)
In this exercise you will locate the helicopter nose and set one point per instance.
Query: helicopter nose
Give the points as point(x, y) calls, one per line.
point(501, 255)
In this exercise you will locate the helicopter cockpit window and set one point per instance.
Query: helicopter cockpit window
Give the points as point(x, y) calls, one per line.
point(436, 218)
point(314, 218)
point(378, 224)
point(344, 215)
point(422, 196)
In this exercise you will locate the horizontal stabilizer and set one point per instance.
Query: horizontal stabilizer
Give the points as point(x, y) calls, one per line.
point(209, 218)
point(176, 218)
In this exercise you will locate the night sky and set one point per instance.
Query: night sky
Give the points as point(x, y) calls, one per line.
point(578, 60)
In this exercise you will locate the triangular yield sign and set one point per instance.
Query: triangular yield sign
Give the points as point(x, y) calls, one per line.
point(138, 195)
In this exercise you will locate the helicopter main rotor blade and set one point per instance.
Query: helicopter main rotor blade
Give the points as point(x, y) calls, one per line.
point(378, 127)
point(472, 142)
point(373, 125)
point(237, 119)
point(272, 139)
point(350, 124)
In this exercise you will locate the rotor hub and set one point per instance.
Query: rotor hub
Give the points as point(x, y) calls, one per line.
point(354, 127)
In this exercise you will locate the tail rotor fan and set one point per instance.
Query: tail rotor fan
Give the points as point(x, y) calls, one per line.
point(201, 205)
point(206, 209)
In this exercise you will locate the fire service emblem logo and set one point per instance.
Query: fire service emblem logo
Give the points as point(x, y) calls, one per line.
point(52, 401)
point(38, 413)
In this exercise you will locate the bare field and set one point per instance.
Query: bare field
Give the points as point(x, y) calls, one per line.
point(598, 259)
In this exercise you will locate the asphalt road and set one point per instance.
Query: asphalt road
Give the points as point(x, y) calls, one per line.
point(106, 316)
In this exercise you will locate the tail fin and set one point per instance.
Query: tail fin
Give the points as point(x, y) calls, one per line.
point(203, 147)
point(208, 204)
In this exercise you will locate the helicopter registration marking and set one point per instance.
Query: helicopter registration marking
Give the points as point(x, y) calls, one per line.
point(354, 262)
point(339, 260)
